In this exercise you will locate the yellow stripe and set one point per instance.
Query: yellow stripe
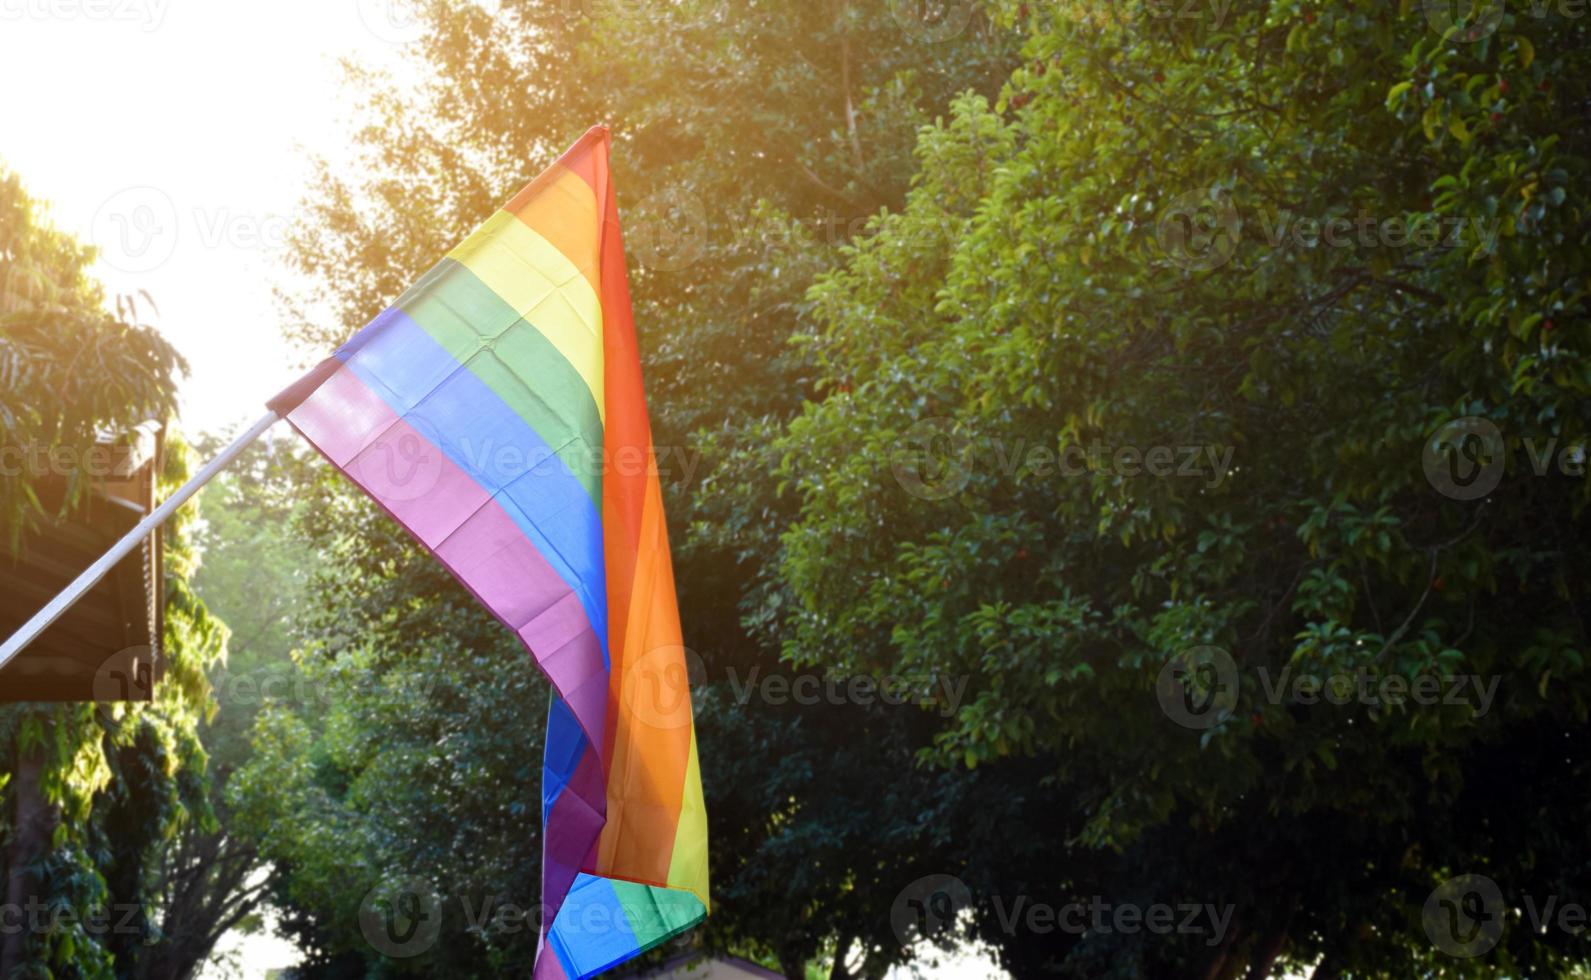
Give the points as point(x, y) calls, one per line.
point(544, 287)
point(688, 869)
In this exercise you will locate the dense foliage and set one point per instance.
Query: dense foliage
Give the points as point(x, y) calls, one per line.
point(404, 747)
point(756, 139)
point(1118, 258)
point(1040, 355)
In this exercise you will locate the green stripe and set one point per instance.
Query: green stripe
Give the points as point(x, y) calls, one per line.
point(530, 375)
point(657, 914)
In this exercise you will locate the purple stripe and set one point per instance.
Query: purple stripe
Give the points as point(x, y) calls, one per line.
point(468, 532)
point(475, 538)
point(572, 828)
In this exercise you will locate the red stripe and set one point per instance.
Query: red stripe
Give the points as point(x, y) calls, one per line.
point(628, 429)
point(579, 158)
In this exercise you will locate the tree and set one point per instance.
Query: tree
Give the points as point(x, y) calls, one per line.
point(1113, 259)
point(68, 369)
point(403, 754)
point(116, 781)
point(754, 140)
point(256, 575)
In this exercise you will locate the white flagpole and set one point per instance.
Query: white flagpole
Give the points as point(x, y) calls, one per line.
point(61, 603)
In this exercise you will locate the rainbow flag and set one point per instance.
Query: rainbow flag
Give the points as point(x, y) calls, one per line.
point(496, 412)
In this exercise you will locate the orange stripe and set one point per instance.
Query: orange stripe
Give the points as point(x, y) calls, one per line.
point(648, 743)
point(561, 208)
point(652, 731)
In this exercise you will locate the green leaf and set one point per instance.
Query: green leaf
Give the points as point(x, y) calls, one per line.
point(1432, 120)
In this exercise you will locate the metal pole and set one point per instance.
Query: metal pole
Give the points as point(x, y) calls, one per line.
point(61, 603)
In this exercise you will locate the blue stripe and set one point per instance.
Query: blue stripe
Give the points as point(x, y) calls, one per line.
point(454, 408)
point(566, 743)
point(593, 942)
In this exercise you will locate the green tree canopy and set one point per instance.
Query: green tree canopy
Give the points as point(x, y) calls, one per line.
point(1111, 256)
point(1060, 354)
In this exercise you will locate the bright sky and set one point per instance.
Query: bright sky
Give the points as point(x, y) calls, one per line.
point(174, 134)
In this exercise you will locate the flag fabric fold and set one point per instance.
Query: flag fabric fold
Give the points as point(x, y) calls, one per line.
point(496, 411)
